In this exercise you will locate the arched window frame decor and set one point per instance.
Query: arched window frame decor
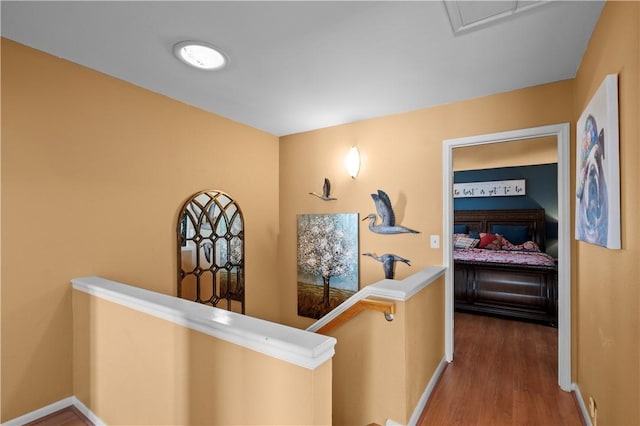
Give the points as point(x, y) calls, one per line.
point(210, 240)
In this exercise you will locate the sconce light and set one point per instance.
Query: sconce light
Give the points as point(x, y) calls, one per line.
point(353, 162)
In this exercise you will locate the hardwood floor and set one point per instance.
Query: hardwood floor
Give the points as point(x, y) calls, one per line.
point(504, 373)
point(69, 416)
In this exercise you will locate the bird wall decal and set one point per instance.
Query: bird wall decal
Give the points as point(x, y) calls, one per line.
point(388, 261)
point(387, 217)
point(326, 190)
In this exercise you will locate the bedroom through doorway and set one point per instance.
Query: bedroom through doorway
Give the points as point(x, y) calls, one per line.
point(505, 152)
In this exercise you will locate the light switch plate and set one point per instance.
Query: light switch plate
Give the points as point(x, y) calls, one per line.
point(435, 241)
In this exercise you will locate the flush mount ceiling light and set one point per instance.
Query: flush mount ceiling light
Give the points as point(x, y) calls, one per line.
point(199, 55)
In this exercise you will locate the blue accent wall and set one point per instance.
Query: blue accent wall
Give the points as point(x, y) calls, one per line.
point(542, 192)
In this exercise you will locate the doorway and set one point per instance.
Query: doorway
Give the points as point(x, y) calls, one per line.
point(561, 132)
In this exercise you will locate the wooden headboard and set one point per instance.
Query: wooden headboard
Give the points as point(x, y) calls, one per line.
point(482, 220)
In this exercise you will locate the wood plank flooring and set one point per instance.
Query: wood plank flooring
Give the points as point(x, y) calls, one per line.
point(504, 373)
point(69, 416)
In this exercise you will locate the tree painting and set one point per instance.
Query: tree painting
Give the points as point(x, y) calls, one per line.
point(327, 261)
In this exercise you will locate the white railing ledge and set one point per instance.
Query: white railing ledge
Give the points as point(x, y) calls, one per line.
point(289, 344)
point(403, 290)
point(400, 290)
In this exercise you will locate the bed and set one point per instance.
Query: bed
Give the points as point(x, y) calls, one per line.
point(515, 279)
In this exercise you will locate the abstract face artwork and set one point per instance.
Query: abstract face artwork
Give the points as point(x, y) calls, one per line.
point(597, 169)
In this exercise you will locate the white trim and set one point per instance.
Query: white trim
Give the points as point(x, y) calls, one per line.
point(459, 26)
point(422, 403)
point(299, 347)
point(52, 408)
point(447, 244)
point(561, 131)
point(97, 421)
point(583, 408)
point(399, 290)
point(40, 412)
point(564, 259)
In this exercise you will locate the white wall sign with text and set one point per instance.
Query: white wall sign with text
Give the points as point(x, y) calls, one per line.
point(497, 188)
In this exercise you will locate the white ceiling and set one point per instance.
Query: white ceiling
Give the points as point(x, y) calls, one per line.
point(297, 66)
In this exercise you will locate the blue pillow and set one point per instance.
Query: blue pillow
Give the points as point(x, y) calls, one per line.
point(516, 234)
point(460, 229)
point(474, 234)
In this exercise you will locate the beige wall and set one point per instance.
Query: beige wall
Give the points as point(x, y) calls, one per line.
point(94, 172)
point(402, 155)
point(403, 353)
point(160, 373)
point(360, 397)
point(608, 295)
point(424, 341)
point(515, 153)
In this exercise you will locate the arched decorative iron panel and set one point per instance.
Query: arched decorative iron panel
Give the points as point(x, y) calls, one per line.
point(211, 251)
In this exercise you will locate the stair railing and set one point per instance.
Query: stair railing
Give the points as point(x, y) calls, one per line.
point(387, 307)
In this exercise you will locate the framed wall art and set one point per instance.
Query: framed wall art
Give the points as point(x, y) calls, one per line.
point(327, 261)
point(598, 168)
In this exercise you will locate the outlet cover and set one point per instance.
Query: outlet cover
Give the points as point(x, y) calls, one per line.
point(435, 241)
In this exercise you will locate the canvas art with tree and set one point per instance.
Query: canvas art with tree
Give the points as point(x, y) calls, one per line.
point(327, 261)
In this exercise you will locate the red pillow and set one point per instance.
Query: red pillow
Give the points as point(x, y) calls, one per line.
point(490, 241)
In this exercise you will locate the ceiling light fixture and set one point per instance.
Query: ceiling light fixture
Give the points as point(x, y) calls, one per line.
point(199, 55)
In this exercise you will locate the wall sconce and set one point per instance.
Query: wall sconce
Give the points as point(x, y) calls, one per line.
point(353, 162)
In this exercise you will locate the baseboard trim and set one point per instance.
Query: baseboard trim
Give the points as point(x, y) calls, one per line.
point(97, 421)
point(417, 412)
point(40, 412)
point(52, 408)
point(422, 403)
point(583, 408)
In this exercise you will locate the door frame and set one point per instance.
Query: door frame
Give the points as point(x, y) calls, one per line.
point(562, 134)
